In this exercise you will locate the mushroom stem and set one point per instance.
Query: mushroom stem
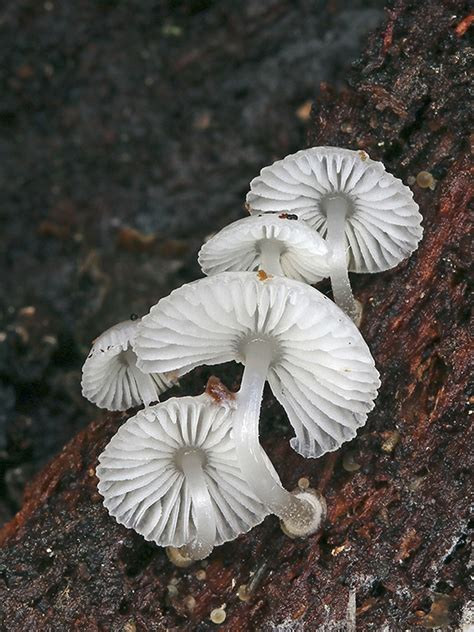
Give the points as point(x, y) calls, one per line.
point(191, 464)
point(336, 208)
point(270, 252)
point(301, 516)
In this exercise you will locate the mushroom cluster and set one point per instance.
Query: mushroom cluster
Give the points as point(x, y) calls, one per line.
point(190, 473)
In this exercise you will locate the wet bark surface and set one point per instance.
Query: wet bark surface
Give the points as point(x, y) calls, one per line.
point(395, 547)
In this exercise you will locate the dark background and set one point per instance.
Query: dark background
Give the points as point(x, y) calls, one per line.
point(128, 132)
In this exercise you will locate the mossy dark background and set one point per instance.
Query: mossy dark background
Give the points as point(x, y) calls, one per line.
point(128, 132)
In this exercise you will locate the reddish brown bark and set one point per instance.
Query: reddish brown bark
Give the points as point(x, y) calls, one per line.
point(396, 536)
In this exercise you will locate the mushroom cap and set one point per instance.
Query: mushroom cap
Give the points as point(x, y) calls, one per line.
point(145, 489)
point(237, 247)
point(110, 377)
point(322, 371)
point(383, 225)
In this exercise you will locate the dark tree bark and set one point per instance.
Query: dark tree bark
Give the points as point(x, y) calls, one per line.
point(394, 550)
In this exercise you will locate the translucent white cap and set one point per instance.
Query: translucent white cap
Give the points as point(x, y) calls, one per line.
point(322, 371)
point(301, 250)
point(144, 486)
point(383, 225)
point(110, 377)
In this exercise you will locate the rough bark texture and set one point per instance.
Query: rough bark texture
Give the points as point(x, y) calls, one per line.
point(394, 551)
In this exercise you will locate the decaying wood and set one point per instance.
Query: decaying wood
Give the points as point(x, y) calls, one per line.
point(394, 550)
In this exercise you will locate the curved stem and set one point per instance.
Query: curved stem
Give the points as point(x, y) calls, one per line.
point(251, 456)
point(202, 546)
point(336, 210)
point(270, 251)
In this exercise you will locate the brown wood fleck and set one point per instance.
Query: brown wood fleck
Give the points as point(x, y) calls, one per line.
point(219, 391)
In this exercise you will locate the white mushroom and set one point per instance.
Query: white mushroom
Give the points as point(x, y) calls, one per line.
point(110, 376)
point(171, 473)
point(283, 331)
point(272, 242)
point(368, 216)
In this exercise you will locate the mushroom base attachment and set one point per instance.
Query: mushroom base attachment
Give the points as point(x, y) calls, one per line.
point(179, 557)
point(296, 529)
